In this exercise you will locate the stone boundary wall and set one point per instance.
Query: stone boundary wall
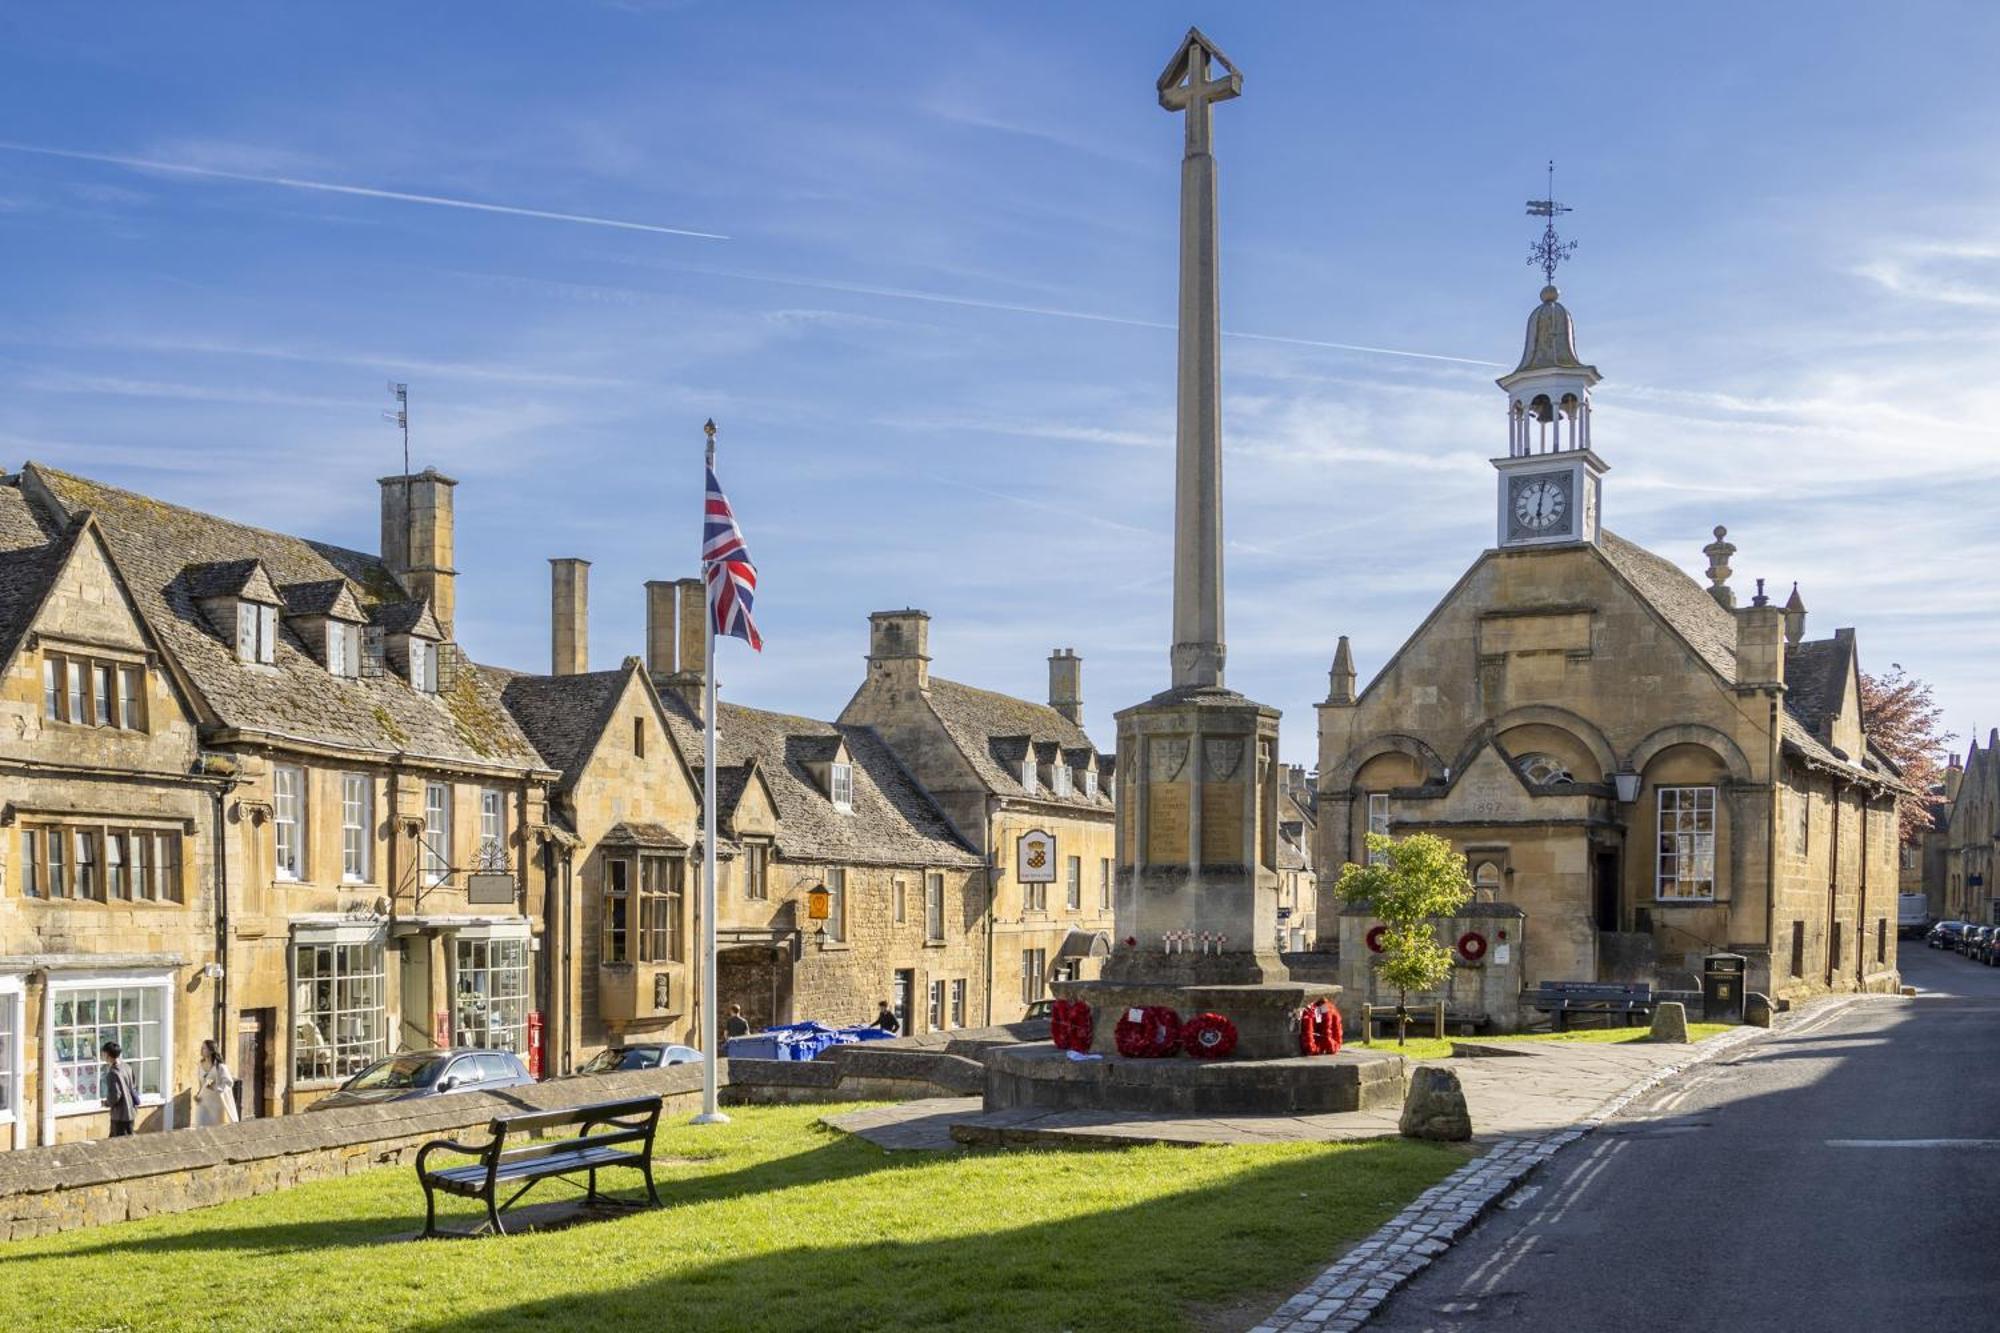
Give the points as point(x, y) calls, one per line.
point(70, 1185)
point(931, 1064)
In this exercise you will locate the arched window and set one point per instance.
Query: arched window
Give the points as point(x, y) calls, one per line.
point(1544, 770)
point(1486, 881)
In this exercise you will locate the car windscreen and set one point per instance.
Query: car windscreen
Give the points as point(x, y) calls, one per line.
point(398, 1071)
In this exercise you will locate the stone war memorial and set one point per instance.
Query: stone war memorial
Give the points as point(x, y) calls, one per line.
point(1195, 1010)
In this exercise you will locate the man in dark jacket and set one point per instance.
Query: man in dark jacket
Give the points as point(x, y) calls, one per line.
point(121, 1097)
point(886, 1019)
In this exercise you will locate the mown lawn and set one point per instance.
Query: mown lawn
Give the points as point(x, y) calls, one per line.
point(777, 1223)
point(1435, 1048)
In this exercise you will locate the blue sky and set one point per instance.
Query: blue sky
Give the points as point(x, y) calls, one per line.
point(936, 328)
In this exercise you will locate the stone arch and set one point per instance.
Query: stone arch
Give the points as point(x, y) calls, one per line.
point(1342, 777)
point(1578, 726)
point(1690, 733)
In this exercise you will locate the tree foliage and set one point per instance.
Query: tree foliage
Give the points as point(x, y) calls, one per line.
point(1906, 724)
point(1408, 884)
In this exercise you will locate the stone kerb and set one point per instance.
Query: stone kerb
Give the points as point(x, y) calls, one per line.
point(70, 1185)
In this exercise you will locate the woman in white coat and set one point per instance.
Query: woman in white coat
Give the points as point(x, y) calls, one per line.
point(214, 1090)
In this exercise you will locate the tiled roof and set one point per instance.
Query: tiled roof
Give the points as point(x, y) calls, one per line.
point(994, 731)
point(229, 578)
point(1816, 679)
point(326, 597)
point(153, 542)
point(1710, 630)
point(406, 617)
point(894, 822)
point(562, 715)
point(632, 833)
point(25, 575)
point(22, 526)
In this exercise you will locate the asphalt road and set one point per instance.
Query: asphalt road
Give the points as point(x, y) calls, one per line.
point(1842, 1174)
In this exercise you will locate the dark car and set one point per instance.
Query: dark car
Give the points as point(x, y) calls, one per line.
point(1988, 949)
point(1974, 940)
point(400, 1078)
point(643, 1055)
point(1944, 934)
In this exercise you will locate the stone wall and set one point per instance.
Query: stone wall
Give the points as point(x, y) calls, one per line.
point(45, 1190)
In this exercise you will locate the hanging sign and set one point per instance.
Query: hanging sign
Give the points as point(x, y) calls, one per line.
point(1035, 858)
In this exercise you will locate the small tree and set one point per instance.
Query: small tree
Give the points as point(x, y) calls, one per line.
point(1408, 883)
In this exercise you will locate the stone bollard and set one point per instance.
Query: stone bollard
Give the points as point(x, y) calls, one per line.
point(1670, 1021)
point(1435, 1108)
point(1757, 1010)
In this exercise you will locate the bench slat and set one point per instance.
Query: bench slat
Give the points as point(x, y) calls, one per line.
point(474, 1177)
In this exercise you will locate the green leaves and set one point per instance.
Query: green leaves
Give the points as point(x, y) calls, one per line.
point(1409, 883)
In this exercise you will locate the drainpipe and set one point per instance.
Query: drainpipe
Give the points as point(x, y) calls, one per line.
point(1771, 856)
point(217, 795)
point(992, 899)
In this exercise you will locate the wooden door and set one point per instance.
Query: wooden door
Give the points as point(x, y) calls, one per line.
point(253, 1062)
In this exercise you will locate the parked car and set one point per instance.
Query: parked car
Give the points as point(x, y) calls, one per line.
point(413, 1074)
point(1962, 938)
point(1038, 1009)
point(1974, 940)
point(640, 1055)
point(1944, 934)
point(1988, 951)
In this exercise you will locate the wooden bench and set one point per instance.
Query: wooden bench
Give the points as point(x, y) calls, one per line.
point(1560, 999)
point(606, 1134)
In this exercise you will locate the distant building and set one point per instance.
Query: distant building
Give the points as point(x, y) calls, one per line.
point(1972, 835)
point(1024, 784)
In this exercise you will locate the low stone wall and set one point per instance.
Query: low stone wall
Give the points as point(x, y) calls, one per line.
point(870, 1072)
point(70, 1185)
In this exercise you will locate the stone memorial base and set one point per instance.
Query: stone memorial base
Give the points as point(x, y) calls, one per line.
point(1262, 1012)
point(1042, 1076)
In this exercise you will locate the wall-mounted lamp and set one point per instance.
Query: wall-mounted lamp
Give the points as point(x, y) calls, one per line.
point(1627, 785)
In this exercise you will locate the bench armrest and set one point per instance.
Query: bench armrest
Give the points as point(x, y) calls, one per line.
point(453, 1145)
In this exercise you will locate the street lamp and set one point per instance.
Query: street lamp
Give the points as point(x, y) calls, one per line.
point(1627, 785)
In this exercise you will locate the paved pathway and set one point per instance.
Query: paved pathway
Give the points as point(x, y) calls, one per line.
point(1536, 1088)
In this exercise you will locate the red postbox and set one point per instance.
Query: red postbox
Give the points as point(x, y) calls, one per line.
point(534, 1044)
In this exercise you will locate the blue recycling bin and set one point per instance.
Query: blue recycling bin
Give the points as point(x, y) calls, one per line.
point(757, 1046)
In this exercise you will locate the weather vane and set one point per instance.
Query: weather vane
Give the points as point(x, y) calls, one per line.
point(1549, 249)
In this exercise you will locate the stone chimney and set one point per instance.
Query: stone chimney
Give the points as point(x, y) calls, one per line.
point(1066, 684)
point(662, 633)
point(569, 616)
point(1718, 553)
point(694, 627)
point(1954, 774)
point(417, 530)
point(1795, 617)
point(899, 649)
point(1340, 680)
point(1760, 643)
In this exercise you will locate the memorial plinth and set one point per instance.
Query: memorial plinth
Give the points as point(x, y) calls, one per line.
point(1041, 1075)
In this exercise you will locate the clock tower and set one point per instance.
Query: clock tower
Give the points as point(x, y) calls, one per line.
point(1550, 479)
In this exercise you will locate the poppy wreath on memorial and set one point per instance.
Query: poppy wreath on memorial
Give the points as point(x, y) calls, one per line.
point(1472, 946)
point(1148, 1032)
point(1320, 1030)
point(1070, 1025)
point(1208, 1036)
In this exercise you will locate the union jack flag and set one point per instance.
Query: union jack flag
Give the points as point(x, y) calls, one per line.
point(725, 564)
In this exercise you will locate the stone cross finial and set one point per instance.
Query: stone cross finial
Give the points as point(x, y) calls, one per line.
point(1718, 553)
point(1198, 651)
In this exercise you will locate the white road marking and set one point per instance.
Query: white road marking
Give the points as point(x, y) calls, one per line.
point(1913, 1143)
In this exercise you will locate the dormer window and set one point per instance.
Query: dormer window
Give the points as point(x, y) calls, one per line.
point(840, 786)
point(343, 649)
point(1090, 782)
point(1063, 779)
point(423, 665)
point(256, 633)
point(1028, 773)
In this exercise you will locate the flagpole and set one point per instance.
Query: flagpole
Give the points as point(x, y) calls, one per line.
point(712, 1034)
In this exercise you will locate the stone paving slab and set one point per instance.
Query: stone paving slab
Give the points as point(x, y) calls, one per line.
point(1022, 1126)
point(923, 1125)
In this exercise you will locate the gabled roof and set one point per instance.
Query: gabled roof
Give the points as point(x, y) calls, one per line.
point(325, 597)
point(994, 732)
point(408, 617)
point(1684, 604)
point(245, 579)
point(894, 820)
point(562, 715)
point(1816, 679)
point(26, 574)
point(151, 543)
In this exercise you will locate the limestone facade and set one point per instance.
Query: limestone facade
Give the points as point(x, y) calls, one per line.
point(1027, 790)
point(356, 810)
point(1650, 772)
point(1970, 840)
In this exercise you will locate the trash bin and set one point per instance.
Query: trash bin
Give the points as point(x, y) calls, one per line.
point(757, 1046)
point(1722, 978)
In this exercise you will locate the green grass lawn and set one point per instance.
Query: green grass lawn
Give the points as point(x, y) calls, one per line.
point(777, 1223)
point(1435, 1048)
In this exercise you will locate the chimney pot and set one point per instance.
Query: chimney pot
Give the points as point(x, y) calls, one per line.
point(569, 616)
point(1066, 684)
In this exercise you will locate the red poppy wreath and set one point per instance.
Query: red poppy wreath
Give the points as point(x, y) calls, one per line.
point(1148, 1032)
point(1208, 1037)
point(1070, 1025)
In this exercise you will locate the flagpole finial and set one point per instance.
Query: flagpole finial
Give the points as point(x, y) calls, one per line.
point(708, 429)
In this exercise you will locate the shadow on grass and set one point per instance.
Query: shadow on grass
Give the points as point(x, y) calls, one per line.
point(839, 1158)
point(1224, 1252)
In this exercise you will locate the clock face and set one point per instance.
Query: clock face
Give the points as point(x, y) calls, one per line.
point(1541, 504)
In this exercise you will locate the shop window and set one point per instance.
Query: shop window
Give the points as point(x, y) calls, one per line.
point(339, 1023)
point(1687, 843)
point(491, 1003)
point(84, 1016)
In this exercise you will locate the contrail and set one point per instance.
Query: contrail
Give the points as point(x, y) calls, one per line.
point(1052, 312)
point(359, 191)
